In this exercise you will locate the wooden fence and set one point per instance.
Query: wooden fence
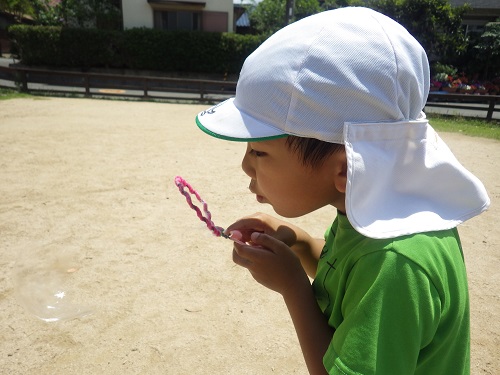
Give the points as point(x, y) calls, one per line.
point(465, 101)
point(101, 85)
point(97, 84)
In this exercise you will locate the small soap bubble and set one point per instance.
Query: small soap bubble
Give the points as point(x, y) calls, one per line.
point(48, 283)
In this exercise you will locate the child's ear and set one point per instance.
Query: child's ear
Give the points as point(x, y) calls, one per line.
point(340, 177)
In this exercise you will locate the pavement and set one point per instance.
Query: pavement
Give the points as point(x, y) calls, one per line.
point(6, 61)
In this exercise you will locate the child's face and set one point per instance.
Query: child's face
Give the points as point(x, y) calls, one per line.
point(279, 177)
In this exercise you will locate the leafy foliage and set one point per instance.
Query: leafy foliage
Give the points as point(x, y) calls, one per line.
point(30, 39)
point(18, 8)
point(439, 68)
point(103, 14)
point(269, 15)
point(139, 48)
point(488, 48)
point(46, 14)
point(166, 50)
point(434, 23)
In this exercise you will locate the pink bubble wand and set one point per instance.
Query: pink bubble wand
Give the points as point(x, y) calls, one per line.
point(206, 216)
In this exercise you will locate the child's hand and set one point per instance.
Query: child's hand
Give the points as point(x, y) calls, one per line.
point(301, 243)
point(271, 262)
point(259, 222)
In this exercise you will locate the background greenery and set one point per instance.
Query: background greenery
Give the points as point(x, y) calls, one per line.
point(434, 23)
point(94, 27)
point(138, 48)
point(468, 126)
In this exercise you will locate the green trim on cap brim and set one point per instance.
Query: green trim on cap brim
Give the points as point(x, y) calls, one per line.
point(220, 136)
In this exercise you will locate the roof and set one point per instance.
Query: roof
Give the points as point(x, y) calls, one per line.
point(482, 4)
point(243, 21)
point(245, 2)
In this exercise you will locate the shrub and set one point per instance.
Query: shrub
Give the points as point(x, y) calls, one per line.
point(37, 45)
point(439, 68)
point(139, 48)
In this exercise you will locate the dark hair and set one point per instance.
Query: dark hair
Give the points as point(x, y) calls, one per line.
point(312, 151)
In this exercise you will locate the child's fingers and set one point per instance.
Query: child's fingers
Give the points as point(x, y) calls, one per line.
point(266, 241)
point(253, 223)
point(250, 252)
point(240, 234)
point(236, 235)
point(261, 246)
point(239, 260)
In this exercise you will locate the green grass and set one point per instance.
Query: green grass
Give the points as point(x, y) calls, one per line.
point(473, 127)
point(6, 94)
point(469, 126)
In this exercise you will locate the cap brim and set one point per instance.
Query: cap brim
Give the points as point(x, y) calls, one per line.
point(226, 121)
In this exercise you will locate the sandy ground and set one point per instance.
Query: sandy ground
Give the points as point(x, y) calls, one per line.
point(87, 196)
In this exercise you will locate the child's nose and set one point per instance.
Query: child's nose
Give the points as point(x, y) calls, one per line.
point(247, 166)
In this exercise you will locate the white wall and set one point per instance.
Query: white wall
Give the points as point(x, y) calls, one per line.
point(222, 6)
point(138, 13)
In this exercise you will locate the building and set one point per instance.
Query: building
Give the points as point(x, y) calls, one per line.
point(241, 17)
point(207, 15)
point(6, 20)
point(482, 12)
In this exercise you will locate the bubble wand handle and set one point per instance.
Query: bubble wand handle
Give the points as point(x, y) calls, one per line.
point(207, 218)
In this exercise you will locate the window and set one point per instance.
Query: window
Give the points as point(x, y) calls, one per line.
point(177, 20)
point(471, 28)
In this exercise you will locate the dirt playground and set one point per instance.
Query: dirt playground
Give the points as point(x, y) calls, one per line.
point(88, 206)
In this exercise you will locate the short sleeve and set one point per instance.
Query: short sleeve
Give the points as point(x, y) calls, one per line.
point(390, 311)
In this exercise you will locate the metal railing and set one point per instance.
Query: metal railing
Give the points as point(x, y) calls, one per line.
point(97, 84)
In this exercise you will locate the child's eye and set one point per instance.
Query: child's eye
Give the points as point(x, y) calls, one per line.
point(257, 153)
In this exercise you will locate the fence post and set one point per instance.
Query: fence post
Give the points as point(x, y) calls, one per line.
point(23, 80)
point(87, 84)
point(491, 107)
point(145, 84)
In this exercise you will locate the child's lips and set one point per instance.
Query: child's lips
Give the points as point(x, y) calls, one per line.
point(259, 198)
point(251, 188)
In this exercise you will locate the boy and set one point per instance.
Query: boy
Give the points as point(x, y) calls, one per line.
point(330, 108)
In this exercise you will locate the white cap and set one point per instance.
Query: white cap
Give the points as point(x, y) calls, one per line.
point(356, 77)
point(308, 79)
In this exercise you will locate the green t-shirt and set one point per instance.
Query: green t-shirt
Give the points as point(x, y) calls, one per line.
point(398, 306)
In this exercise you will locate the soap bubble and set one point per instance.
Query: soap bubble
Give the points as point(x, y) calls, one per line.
point(48, 283)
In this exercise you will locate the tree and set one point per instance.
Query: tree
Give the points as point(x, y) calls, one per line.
point(269, 15)
point(46, 13)
point(18, 8)
point(488, 49)
point(434, 23)
point(104, 14)
point(334, 4)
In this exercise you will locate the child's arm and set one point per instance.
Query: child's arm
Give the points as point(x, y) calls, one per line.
point(307, 248)
point(280, 260)
point(273, 264)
